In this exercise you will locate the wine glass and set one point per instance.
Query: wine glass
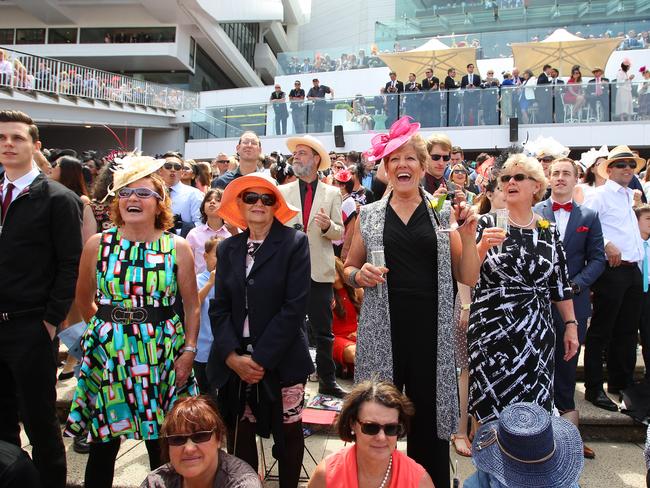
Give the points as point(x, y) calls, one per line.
point(378, 259)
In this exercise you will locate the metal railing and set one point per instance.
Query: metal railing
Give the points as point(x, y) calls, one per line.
point(487, 106)
point(27, 72)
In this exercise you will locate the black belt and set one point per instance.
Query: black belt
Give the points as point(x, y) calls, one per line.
point(134, 315)
point(30, 312)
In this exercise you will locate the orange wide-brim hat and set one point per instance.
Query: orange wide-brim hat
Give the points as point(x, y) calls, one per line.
point(229, 209)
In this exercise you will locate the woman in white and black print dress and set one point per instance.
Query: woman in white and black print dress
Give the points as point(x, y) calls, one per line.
point(511, 338)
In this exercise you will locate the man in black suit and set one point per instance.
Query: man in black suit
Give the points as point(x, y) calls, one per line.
point(598, 91)
point(411, 100)
point(39, 257)
point(430, 87)
point(470, 82)
point(453, 98)
point(319, 112)
point(558, 104)
point(393, 88)
point(544, 96)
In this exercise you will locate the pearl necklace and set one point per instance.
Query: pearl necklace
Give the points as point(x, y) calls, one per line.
point(523, 226)
point(387, 475)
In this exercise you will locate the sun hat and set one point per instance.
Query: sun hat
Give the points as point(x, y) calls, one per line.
point(590, 157)
point(398, 135)
point(131, 168)
point(527, 447)
point(229, 209)
point(307, 140)
point(616, 154)
point(597, 68)
point(343, 176)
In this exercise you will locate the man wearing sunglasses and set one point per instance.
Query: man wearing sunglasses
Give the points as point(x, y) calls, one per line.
point(321, 218)
point(186, 200)
point(220, 165)
point(618, 293)
point(249, 149)
point(439, 147)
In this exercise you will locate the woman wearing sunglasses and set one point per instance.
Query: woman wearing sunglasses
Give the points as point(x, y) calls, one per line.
point(459, 178)
point(137, 355)
point(510, 337)
point(191, 438)
point(260, 360)
point(375, 414)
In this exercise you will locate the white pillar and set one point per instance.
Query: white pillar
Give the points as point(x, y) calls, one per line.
point(137, 139)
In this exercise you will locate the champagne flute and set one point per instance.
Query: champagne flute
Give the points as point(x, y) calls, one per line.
point(378, 259)
point(502, 221)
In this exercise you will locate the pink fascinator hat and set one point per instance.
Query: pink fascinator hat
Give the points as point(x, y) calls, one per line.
point(398, 135)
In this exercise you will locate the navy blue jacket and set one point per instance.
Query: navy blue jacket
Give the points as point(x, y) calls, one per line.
point(584, 248)
point(278, 291)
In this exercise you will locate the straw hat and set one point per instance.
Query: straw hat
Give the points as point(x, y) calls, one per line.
point(597, 68)
point(307, 140)
point(617, 154)
point(229, 209)
point(131, 168)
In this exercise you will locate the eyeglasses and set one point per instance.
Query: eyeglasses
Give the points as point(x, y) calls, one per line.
point(623, 165)
point(545, 160)
point(197, 438)
point(251, 198)
point(176, 166)
point(517, 177)
point(372, 428)
point(459, 172)
point(222, 161)
point(436, 157)
point(249, 142)
point(139, 192)
point(187, 168)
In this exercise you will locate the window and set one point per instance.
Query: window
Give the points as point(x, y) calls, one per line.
point(30, 36)
point(6, 36)
point(192, 52)
point(111, 35)
point(62, 36)
point(244, 37)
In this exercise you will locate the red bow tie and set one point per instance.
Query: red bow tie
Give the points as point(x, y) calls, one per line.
point(566, 206)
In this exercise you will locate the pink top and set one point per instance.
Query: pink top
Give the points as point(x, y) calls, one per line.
point(342, 470)
point(197, 238)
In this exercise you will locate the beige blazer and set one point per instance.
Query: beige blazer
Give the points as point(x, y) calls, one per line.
point(321, 251)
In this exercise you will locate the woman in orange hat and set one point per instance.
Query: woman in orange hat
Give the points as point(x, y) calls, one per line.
point(260, 359)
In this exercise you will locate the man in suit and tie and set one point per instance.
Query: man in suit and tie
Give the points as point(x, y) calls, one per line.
point(430, 87)
point(321, 219)
point(393, 88)
point(598, 91)
point(412, 101)
point(544, 95)
point(470, 82)
point(453, 98)
point(558, 104)
point(582, 237)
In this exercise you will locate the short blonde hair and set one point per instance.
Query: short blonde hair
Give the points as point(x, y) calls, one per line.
point(440, 139)
point(532, 168)
point(420, 147)
point(164, 220)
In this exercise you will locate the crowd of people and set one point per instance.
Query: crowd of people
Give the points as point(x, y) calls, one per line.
point(190, 293)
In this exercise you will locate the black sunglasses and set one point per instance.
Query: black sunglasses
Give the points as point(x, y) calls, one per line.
point(372, 428)
point(251, 198)
point(139, 192)
point(517, 177)
point(436, 157)
point(176, 166)
point(459, 172)
point(197, 438)
point(623, 165)
point(222, 161)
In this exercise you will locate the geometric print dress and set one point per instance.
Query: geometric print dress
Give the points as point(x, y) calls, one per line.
point(511, 338)
point(126, 383)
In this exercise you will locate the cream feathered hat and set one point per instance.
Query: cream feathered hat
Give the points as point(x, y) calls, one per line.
point(543, 147)
point(590, 157)
point(131, 168)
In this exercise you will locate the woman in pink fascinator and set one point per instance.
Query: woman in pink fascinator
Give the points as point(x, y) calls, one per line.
point(407, 265)
point(623, 105)
point(644, 94)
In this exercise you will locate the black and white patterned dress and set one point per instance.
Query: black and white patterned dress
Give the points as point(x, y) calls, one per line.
point(511, 338)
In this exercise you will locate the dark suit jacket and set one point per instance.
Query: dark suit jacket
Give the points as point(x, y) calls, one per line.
point(408, 87)
point(584, 251)
point(591, 87)
point(434, 82)
point(542, 79)
point(278, 291)
point(476, 82)
point(398, 84)
point(450, 83)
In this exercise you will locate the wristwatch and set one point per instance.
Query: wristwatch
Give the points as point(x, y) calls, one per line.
point(575, 287)
point(191, 349)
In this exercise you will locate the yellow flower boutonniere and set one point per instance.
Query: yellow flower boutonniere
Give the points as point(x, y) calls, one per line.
point(543, 224)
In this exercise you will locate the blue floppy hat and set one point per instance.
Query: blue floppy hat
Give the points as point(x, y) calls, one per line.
point(527, 447)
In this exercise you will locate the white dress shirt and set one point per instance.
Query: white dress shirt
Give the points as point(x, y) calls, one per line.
point(20, 183)
point(613, 203)
point(186, 202)
point(561, 218)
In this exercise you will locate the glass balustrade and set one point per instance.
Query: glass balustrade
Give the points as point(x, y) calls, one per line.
point(588, 102)
point(23, 71)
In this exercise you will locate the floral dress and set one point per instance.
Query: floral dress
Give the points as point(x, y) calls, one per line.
point(511, 337)
point(126, 383)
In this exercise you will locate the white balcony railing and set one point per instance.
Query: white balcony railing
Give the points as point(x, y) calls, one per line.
point(27, 72)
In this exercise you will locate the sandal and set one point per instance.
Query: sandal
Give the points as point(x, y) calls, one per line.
point(463, 447)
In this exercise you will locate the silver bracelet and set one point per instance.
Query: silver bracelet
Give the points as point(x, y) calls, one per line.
point(191, 349)
point(352, 279)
